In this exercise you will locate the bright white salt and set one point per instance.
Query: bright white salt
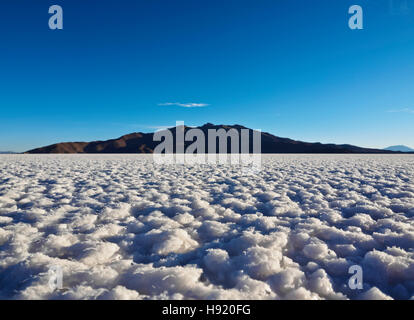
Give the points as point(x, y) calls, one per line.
point(122, 227)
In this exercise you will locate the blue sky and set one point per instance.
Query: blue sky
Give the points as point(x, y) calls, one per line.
point(289, 67)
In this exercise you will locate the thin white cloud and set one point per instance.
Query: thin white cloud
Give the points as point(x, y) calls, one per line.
point(404, 110)
point(184, 105)
point(159, 127)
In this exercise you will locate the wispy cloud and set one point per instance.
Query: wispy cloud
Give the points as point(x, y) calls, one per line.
point(184, 105)
point(404, 110)
point(158, 127)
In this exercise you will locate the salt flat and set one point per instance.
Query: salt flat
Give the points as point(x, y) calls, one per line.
point(122, 227)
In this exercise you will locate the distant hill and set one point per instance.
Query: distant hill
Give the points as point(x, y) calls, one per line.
point(400, 148)
point(143, 143)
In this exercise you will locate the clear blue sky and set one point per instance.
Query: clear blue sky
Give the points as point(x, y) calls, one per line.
point(289, 67)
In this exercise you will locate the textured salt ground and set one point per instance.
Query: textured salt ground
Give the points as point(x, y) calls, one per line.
point(122, 227)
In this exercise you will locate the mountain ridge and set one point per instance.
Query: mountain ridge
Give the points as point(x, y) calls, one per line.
point(399, 148)
point(139, 142)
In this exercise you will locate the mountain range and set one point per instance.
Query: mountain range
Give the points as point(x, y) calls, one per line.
point(139, 142)
point(400, 148)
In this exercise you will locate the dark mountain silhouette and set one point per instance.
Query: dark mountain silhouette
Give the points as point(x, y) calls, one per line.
point(399, 148)
point(144, 143)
